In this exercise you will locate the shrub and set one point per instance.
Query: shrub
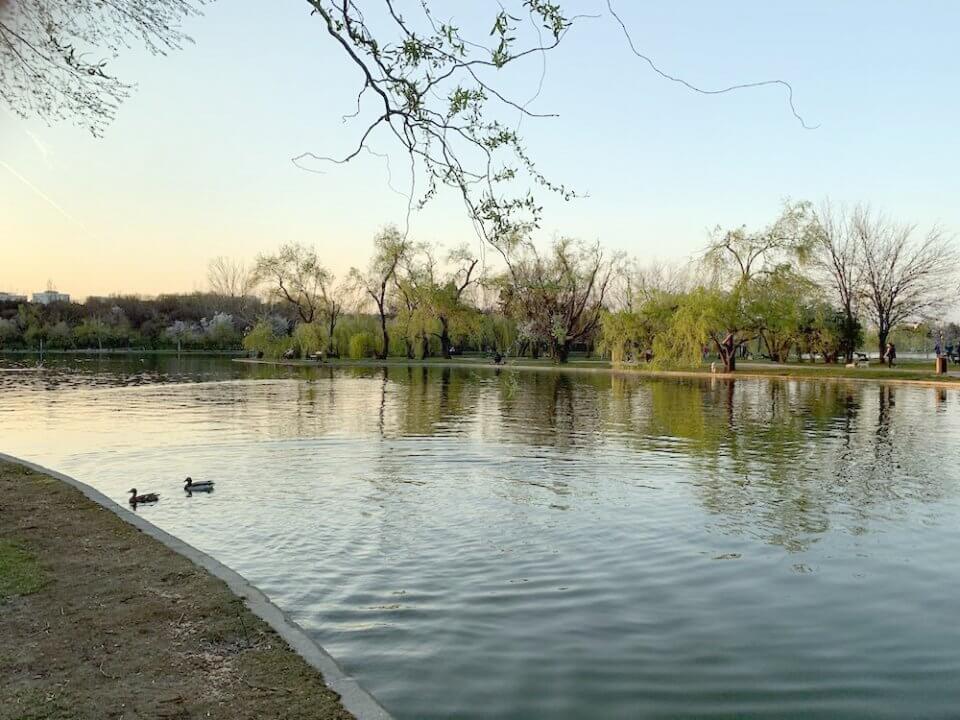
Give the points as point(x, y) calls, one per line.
point(361, 345)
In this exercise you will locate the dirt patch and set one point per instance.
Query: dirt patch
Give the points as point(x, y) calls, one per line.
point(99, 621)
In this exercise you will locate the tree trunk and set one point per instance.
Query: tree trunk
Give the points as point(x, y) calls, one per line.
point(882, 336)
point(445, 338)
point(333, 323)
point(385, 336)
point(561, 351)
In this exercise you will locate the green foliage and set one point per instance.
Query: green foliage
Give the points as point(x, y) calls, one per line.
point(9, 332)
point(362, 345)
point(20, 573)
point(308, 338)
point(778, 307)
point(702, 318)
point(264, 338)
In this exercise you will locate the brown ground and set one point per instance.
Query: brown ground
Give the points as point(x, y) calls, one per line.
point(122, 627)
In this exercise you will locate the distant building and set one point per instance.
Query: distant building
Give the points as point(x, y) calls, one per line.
point(50, 296)
point(12, 297)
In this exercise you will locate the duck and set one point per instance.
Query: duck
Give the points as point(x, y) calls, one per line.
point(145, 498)
point(190, 485)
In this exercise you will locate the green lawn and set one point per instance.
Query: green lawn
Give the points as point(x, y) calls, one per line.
point(20, 573)
point(906, 370)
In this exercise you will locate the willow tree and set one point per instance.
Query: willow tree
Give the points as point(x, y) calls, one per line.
point(429, 87)
point(738, 255)
point(705, 317)
point(55, 56)
point(296, 276)
point(777, 307)
point(557, 297)
point(444, 291)
point(390, 247)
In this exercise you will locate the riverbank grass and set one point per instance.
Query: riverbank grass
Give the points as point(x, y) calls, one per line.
point(20, 573)
point(915, 372)
point(98, 621)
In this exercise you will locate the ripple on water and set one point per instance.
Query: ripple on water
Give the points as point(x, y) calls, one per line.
point(541, 545)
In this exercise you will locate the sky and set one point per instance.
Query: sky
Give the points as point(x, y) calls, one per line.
point(198, 161)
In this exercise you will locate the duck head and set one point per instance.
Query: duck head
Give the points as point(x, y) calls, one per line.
point(189, 481)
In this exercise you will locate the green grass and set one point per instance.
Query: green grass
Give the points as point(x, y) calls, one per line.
point(20, 573)
point(906, 370)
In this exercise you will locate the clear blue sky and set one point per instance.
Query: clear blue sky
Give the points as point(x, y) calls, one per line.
point(198, 162)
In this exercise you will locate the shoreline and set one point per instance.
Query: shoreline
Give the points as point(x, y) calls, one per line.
point(297, 647)
point(751, 372)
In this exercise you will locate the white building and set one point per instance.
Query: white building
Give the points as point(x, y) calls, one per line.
point(12, 297)
point(50, 296)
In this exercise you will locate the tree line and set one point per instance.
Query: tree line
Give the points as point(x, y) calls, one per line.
point(817, 282)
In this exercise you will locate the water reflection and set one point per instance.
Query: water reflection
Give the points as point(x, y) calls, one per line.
point(603, 545)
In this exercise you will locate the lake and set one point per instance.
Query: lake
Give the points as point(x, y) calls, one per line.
point(472, 543)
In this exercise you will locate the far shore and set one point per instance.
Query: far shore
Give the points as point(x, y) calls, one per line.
point(123, 351)
point(910, 372)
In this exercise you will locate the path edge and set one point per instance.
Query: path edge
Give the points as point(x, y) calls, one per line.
point(353, 697)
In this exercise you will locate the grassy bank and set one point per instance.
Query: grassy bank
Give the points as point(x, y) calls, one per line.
point(98, 620)
point(916, 372)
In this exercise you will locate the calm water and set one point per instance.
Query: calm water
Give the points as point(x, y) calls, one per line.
point(538, 545)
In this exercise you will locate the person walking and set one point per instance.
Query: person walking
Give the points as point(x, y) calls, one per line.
point(890, 354)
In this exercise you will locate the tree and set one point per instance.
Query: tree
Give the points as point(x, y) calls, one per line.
point(8, 331)
point(181, 332)
point(52, 61)
point(332, 309)
point(557, 298)
point(267, 337)
point(705, 316)
point(836, 258)
point(777, 308)
point(431, 91)
point(219, 330)
point(92, 329)
point(307, 339)
point(738, 255)
point(443, 294)
point(904, 279)
point(390, 247)
point(296, 276)
point(231, 278)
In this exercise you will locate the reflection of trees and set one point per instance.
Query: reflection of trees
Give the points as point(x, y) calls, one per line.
point(780, 459)
point(551, 408)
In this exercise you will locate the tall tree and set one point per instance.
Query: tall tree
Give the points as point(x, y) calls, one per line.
point(738, 255)
point(836, 256)
point(296, 275)
point(443, 293)
point(389, 249)
point(557, 297)
point(904, 278)
point(231, 278)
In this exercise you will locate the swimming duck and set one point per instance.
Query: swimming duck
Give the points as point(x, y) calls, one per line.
point(202, 486)
point(145, 498)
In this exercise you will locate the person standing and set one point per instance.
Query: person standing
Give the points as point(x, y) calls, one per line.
point(890, 354)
